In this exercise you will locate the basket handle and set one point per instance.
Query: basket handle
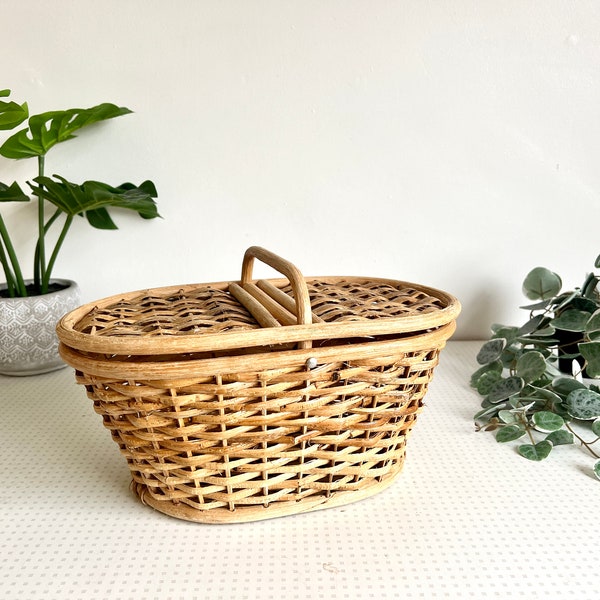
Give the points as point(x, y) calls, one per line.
point(301, 297)
point(270, 306)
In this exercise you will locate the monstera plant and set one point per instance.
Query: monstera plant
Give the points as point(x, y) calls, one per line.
point(537, 379)
point(66, 200)
point(31, 303)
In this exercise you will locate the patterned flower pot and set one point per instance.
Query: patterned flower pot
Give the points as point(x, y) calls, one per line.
point(28, 342)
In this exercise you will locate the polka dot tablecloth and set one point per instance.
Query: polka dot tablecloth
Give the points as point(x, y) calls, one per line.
point(467, 518)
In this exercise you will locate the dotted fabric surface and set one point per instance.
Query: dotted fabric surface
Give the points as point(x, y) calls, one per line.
point(465, 519)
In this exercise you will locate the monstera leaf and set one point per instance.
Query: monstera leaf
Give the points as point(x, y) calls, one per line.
point(50, 128)
point(92, 198)
point(12, 193)
point(11, 113)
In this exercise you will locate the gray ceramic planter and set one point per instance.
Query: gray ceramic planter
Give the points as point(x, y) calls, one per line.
point(28, 342)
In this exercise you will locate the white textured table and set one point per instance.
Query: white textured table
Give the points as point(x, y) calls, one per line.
point(465, 519)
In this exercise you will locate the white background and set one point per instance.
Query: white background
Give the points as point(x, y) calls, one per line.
point(451, 143)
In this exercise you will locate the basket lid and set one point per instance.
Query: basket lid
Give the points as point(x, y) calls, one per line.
point(205, 317)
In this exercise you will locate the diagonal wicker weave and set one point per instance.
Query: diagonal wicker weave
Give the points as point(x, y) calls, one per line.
point(251, 400)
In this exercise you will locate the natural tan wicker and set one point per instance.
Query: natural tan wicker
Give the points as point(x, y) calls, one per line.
point(243, 401)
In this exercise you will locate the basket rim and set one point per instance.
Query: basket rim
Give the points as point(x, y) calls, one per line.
point(201, 342)
point(139, 368)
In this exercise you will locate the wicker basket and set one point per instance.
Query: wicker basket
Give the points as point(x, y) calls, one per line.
point(243, 401)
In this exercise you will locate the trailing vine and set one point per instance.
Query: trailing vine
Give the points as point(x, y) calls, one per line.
point(537, 380)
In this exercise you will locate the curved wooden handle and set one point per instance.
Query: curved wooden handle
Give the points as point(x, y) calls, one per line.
point(301, 296)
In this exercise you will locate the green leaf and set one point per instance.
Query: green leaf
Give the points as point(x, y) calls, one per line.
point(491, 351)
point(571, 320)
point(507, 416)
point(563, 386)
point(583, 404)
point(546, 421)
point(592, 327)
point(597, 469)
point(50, 128)
point(510, 433)
point(584, 304)
point(75, 199)
point(520, 405)
point(12, 193)
point(537, 322)
point(531, 366)
point(560, 437)
point(505, 388)
point(100, 219)
point(564, 300)
point(591, 352)
point(494, 366)
point(503, 331)
point(535, 452)
point(12, 114)
point(547, 395)
point(486, 413)
point(560, 409)
point(588, 289)
point(546, 332)
point(596, 427)
point(536, 306)
point(541, 284)
point(487, 381)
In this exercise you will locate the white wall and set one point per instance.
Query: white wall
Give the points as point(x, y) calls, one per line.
point(452, 143)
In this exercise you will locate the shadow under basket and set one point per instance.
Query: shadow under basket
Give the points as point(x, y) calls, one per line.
point(249, 400)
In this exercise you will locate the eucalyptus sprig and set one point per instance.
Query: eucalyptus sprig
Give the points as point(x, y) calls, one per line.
point(536, 379)
point(91, 199)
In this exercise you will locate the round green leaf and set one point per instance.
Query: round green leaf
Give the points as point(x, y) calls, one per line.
point(597, 469)
point(592, 327)
point(596, 427)
point(531, 366)
point(535, 452)
point(560, 437)
point(510, 433)
point(583, 404)
point(591, 352)
point(541, 284)
point(547, 421)
point(565, 385)
point(504, 331)
point(507, 416)
point(571, 320)
point(495, 366)
point(505, 388)
point(486, 382)
point(491, 351)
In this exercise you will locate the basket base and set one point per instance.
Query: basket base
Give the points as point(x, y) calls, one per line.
point(246, 514)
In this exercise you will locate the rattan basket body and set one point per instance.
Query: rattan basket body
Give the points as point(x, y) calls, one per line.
point(243, 401)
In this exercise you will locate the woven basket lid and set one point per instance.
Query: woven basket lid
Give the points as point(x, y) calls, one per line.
point(204, 317)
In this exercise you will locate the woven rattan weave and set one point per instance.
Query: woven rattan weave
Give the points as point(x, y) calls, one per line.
point(242, 401)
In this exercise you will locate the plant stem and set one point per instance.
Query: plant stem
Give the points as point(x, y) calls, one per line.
point(528, 429)
point(586, 445)
point(10, 278)
point(61, 238)
point(16, 275)
point(36, 258)
point(39, 268)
